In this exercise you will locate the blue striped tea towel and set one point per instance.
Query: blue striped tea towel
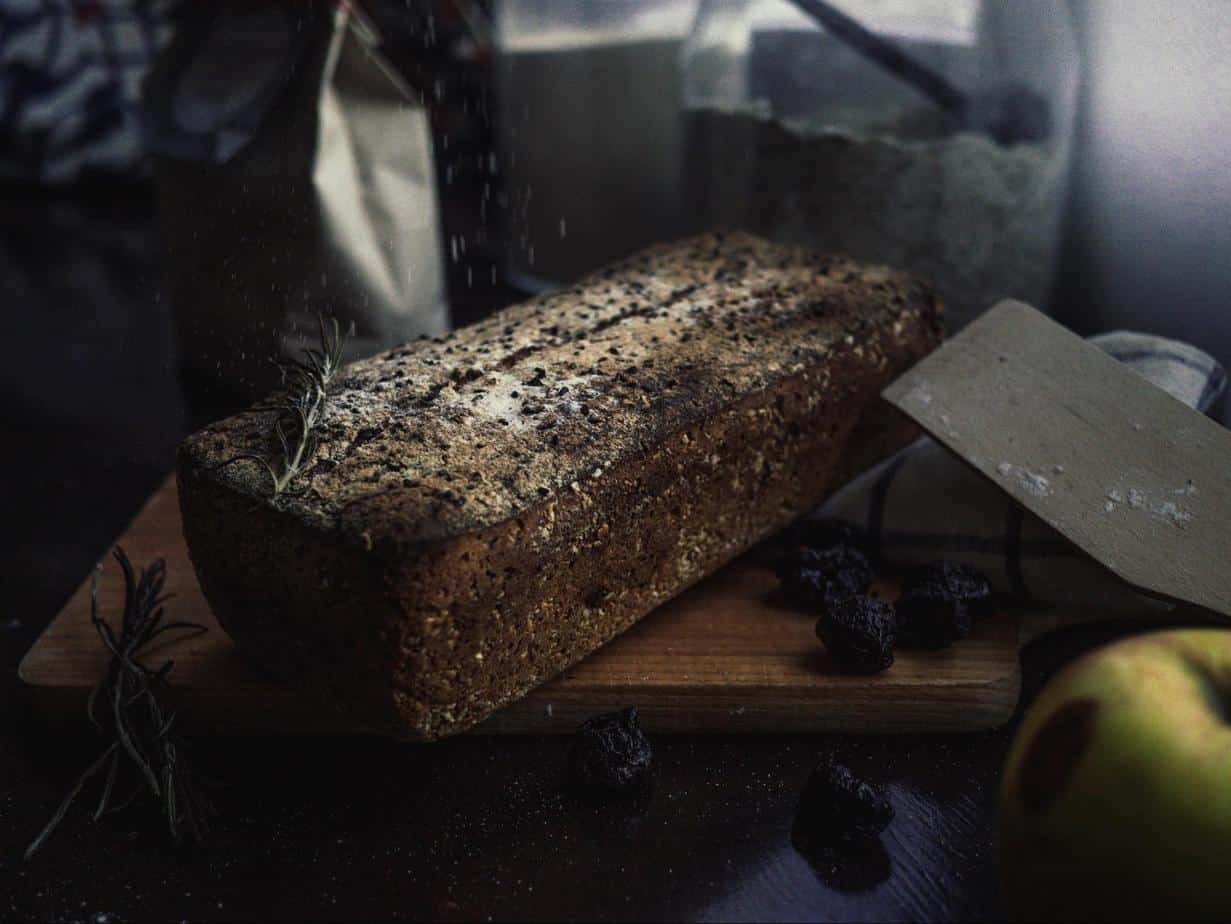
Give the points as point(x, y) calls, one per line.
point(923, 503)
point(70, 84)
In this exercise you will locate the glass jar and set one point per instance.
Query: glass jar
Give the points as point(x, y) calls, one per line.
point(931, 135)
point(589, 130)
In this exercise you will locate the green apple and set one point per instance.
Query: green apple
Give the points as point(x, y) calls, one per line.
point(1115, 803)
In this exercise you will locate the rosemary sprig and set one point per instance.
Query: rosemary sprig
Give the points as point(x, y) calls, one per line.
point(146, 755)
point(300, 409)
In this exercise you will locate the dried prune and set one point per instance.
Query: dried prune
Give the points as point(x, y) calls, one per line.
point(820, 589)
point(610, 753)
point(819, 535)
point(820, 577)
point(938, 603)
point(859, 633)
point(837, 807)
point(962, 582)
point(825, 534)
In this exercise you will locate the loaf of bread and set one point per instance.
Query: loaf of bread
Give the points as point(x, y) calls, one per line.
point(487, 508)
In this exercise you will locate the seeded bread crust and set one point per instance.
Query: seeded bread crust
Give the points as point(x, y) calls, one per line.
point(487, 508)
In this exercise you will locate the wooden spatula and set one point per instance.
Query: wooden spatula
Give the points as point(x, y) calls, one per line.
point(1136, 479)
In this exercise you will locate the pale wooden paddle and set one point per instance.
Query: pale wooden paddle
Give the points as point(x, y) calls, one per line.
point(1136, 479)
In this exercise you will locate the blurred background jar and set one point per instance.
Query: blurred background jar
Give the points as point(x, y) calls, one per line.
point(932, 135)
point(589, 131)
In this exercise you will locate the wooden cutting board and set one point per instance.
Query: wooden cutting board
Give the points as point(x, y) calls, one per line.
point(727, 656)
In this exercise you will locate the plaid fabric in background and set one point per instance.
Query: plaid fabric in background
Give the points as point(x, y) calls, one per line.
point(70, 84)
point(923, 503)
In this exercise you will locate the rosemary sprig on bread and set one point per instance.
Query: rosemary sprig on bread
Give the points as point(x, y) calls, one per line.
point(302, 405)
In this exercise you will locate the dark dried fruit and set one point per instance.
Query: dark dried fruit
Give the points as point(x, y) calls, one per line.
point(938, 603)
point(962, 582)
point(859, 633)
point(837, 807)
point(610, 753)
point(821, 589)
point(820, 577)
point(825, 534)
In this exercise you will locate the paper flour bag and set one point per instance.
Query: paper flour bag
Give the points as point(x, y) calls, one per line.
point(295, 177)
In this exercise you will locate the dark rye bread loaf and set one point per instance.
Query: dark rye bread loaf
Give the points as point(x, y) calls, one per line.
point(487, 508)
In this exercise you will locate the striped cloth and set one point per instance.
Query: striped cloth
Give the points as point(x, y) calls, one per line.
point(923, 503)
point(70, 84)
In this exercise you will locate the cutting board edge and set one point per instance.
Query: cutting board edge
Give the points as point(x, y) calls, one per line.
point(60, 705)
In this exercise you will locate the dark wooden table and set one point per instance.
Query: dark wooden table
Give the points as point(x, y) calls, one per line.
point(326, 828)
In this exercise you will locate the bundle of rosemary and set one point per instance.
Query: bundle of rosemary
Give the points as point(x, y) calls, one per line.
point(145, 754)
